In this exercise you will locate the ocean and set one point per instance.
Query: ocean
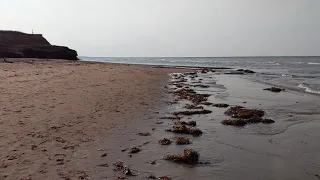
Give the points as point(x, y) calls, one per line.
point(294, 73)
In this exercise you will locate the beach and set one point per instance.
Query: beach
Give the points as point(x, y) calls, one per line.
point(75, 119)
point(51, 109)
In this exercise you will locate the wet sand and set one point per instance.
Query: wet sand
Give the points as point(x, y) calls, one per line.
point(52, 110)
point(287, 149)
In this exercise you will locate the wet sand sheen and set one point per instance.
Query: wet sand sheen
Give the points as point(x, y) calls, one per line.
point(287, 149)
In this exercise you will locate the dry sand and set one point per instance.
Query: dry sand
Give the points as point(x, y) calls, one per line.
point(50, 108)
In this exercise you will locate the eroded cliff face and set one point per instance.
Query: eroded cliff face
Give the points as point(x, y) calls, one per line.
point(21, 45)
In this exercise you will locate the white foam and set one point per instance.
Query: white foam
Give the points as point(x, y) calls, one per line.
point(313, 63)
point(308, 89)
point(286, 75)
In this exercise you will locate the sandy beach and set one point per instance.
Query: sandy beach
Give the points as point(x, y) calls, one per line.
point(50, 109)
point(73, 120)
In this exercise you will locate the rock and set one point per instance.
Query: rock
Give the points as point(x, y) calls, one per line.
point(268, 121)
point(243, 113)
point(129, 172)
point(191, 106)
point(165, 141)
point(221, 105)
point(254, 120)
point(189, 156)
point(119, 165)
point(201, 86)
point(189, 113)
point(190, 123)
point(153, 162)
point(274, 89)
point(144, 134)
point(104, 155)
point(246, 71)
point(182, 141)
point(171, 117)
point(134, 150)
point(185, 130)
point(152, 176)
point(190, 95)
point(207, 103)
point(249, 71)
point(15, 44)
point(164, 178)
point(234, 122)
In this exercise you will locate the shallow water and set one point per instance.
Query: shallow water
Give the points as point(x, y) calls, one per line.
point(285, 150)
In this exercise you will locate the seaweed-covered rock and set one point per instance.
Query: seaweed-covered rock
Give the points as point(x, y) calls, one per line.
point(190, 95)
point(191, 106)
point(182, 141)
point(254, 120)
point(221, 105)
point(165, 141)
point(185, 130)
point(234, 122)
point(268, 121)
point(243, 113)
point(189, 156)
point(189, 113)
point(190, 123)
point(274, 89)
point(201, 86)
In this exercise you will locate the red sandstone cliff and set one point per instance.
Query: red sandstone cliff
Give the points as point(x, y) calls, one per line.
point(15, 44)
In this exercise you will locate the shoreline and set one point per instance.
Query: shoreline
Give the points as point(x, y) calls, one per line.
point(140, 102)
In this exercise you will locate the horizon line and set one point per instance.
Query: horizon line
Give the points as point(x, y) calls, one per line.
point(195, 56)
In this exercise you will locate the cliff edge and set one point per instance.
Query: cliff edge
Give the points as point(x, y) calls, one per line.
point(15, 44)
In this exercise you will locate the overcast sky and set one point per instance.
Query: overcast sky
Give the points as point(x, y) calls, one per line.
point(171, 27)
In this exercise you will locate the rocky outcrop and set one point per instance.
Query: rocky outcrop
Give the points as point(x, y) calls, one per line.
point(20, 45)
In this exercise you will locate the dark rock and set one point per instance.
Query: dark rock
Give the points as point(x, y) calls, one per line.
point(268, 121)
point(243, 113)
point(182, 141)
point(129, 172)
point(246, 71)
point(190, 123)
point(134, 150)
point(249, 71)
point(254, 120)
point(190, 95)
point(221, 105)
point(274, 89)
point(165, 141)
point(189, 113)
point(164, 178)
point(207, 103)
point(234, 122)
point(104, 155)
point(189, 156)
point(201, 86)
point(185, 130)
